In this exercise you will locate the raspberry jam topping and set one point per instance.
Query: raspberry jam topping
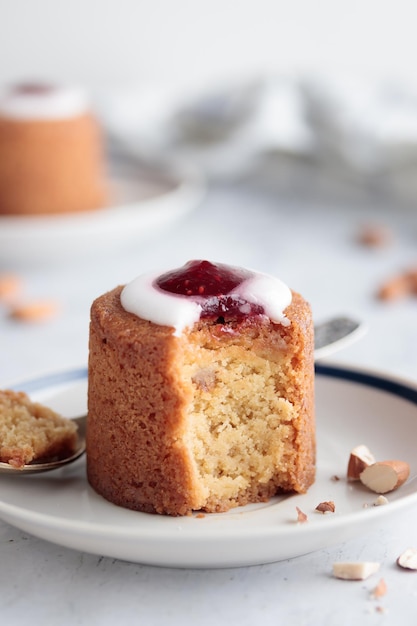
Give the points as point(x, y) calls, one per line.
point(212, 284)
point(202, 278)
point(200, 289)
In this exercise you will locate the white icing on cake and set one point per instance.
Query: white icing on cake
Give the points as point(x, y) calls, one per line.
point(148, 301)
point(46, 103)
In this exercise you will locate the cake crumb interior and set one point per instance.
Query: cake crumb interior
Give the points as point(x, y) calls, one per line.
point(29, 430)
point(241, 429)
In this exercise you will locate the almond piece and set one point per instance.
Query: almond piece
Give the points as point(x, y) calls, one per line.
point(360, 458)
point(380, 590)
point(408, 559)
point(301, 516)
point(385, 476)
point(351, 570)
point(412, 279)
point(326, 507)
point(381, 501)
point(36, 311)
point(394, 289)
point(374, 235)
point(10, 287)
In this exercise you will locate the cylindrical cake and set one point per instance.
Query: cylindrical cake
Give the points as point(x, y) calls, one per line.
point(51, 152)
point(215, 416)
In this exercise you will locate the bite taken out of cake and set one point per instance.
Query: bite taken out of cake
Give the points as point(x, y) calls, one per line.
point(200, 391)
point(52, 157)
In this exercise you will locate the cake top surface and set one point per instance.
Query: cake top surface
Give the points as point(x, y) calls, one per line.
point(38, 101)
point(201, 289)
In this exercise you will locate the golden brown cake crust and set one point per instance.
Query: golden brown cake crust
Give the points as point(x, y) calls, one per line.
point(138, 435)
point(51, 166)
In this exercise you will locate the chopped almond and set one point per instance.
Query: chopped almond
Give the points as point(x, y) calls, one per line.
point(35, 311)
point(360, 458)
point(412, 280)
point(301, 516)
point(374, 235)
point(326, 507)
point(381, 501)
point(394, 288)
point(10, 287)
point(402, 285)
point(380, 590)
point(408, 559)
point(351, 570)
point(385, 476)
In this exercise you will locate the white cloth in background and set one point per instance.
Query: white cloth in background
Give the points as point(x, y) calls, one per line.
point(363, 133)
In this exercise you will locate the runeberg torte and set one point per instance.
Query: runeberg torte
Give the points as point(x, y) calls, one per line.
point(200, 391)
point(51, 152)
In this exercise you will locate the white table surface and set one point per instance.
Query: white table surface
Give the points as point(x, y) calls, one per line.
point(313, 247)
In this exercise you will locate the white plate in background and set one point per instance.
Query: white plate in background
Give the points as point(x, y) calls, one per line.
point(145, 199)
point(353, 407)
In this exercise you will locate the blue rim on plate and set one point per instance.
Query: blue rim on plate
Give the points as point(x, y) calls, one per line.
point(371, 380)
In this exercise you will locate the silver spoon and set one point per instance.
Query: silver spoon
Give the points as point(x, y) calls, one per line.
point(330, 336)
point(335, 334)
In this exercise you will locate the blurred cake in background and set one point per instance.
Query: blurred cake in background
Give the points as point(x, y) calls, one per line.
point(51, 152)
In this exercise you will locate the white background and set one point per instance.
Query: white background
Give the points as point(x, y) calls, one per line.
point(105, 43)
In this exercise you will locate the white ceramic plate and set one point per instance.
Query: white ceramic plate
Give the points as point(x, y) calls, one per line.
point(145, 199)
point(352, 407)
